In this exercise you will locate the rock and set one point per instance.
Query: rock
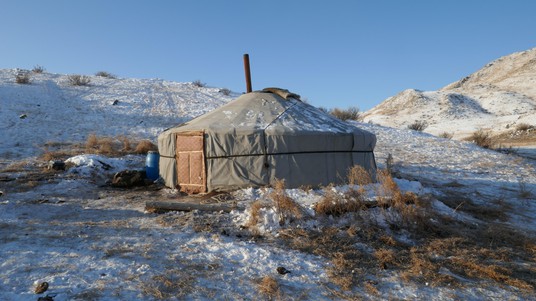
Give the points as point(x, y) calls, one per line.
point(41, 287)
point(129, 178)
point(23, 116)
point(56, 165)
point(48, 297)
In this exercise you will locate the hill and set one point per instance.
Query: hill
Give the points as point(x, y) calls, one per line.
point(449, 221)
point(60, 111)
point(499, 97)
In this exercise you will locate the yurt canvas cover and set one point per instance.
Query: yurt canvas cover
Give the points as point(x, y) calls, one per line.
point(258, 138)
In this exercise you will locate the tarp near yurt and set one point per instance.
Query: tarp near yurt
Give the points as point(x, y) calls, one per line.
point(259, 137)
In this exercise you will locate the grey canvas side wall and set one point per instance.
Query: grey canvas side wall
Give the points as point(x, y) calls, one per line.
point(317, 169)
point(167, 162)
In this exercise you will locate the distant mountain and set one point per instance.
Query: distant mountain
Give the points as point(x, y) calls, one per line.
point(497, 97)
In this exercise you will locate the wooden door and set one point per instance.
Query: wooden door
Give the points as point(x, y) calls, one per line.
point(191, 171)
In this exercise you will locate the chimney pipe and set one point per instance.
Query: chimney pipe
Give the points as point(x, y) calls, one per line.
point(248, 73)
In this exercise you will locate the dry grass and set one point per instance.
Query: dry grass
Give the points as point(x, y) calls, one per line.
point(335, 204)
point(288, 209)
point(22, 77)
point(524, 127)
point(386, 258)
point(199, 83)
point(418, 125)
point(17, 166)
point(482, 138)
point(118, 146)
point(78, 80)
point(38, 69)
point(358, 175)
point(351, 113)
point(370, 288)
point(145, 146)
point(446, 135)
point(110, 146)
point(173, 283)
point(105, 74)
point(444, 252)
point(255, 212)
point(269, 287)
point(126, 143)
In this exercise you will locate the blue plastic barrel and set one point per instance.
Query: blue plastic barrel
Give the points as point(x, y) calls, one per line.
point(151, 165)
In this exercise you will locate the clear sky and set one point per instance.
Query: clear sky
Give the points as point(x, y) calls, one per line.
point(336, 53)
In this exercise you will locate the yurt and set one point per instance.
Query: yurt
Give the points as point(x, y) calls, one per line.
point(258, 138)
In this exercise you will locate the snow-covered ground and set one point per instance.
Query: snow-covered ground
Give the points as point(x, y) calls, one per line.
point(50, 109)
point(93, 242)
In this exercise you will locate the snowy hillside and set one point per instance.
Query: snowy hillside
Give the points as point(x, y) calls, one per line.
point(50, 109)
point(457, 222)
point(498, 97)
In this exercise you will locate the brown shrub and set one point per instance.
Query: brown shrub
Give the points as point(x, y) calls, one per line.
point(105, 74)
point(446, 135)
point(482, 138)
point(198, 83)
point(351, 113)
point(145, 146)
point(92, 141)
point(38, 69)
point(22, 77)
point(106, 146)
point(78, 80)
point(418, 125)
point(524, 127)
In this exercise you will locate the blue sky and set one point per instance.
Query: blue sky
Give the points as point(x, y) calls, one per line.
point(333, 53)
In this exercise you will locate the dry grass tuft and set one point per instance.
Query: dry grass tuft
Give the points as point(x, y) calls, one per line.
point(446, 135)
point(418, 125)
point(524, 127)
point(370, 287)
point(482, 138)
point(335, 204)
point(78, 80)
point(92, 141)
point(351, 113)
point(388, 189)
point(288, 209)
point(341, 272)
point(269, 287)
point(386, 258)
point(118, 146)
point(127, 144)
point(358, 175)
point(22, 77)
point(145, 146)
point(174, 283)
point(255, 212)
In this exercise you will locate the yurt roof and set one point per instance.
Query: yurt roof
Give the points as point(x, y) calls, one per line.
point(272, 110)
